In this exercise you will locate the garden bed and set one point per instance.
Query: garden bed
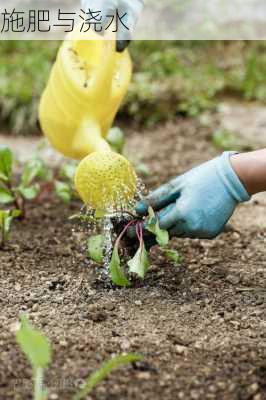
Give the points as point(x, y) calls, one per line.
point(200, 325)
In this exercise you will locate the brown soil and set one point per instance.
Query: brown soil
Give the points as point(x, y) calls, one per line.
point(201, 326)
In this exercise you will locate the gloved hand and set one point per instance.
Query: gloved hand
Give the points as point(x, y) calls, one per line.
point(132, 8)
point(199, 203)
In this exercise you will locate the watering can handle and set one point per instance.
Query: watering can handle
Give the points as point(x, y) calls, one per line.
point(99, 56)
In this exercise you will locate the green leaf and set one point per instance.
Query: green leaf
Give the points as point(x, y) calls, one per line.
point(172, 255)
point(140, 263)
point(15, 213)
point(3, 177)
point(116, 139)
point(68, 170)
point(143, 169)
point(33, 168)
point(224, 139)
point(95, 248)
point(6, 218)
point(104, 371)
point(34, 345)
point(152, 225)
point(117, 274)
point(29, 193)
point(63, 191)
point(6, 162)
point(5, 224)
point(3, 215)
point(6, 196)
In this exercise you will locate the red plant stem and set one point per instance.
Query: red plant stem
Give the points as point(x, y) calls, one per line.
point(138, 232)
point(123, 231)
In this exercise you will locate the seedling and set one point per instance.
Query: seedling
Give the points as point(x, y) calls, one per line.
point(13, 192)
point(223, 139)
point(95, 248)
point(140, 263)
point(37, 349)
point(116, 139)
point(172, 255)
point(152, 226)
point(142, 169)
point(29, 186)
point(64, 188)
point(6, 219)
point(137, 265)
point(105, 370)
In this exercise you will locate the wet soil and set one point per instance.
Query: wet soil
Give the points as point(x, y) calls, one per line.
point(201, 325)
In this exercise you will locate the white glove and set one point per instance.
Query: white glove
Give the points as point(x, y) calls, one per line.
point(132, 8)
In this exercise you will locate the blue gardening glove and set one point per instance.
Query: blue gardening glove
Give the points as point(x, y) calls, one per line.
point(199, 203)
point(132, 9)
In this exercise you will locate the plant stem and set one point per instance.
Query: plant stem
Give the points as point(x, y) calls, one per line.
point(124, 231)
point(20, 205)
point(139, 232)
point(2, 244)
point(38, 384)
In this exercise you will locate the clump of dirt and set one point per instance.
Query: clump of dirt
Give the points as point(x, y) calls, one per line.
point(201, 325)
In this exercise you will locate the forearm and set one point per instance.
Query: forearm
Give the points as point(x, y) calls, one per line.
point(251, 170)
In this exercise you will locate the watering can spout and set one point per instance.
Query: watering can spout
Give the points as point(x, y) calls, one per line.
point(87, 84)
point(88, 139)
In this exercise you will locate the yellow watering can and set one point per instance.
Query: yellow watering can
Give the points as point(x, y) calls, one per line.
point(87, 84)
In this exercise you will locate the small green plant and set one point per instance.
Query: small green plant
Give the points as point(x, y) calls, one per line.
point(6, 219)
point(152, 226)
point(142, 169)
point(172, 255)
point(105, 370)
point(223, 139)
point(15, 192)
point(64, 188)
point(116, 139)
point(139, 264)
point(35, 175)
point(95, 248)
point(37, 349)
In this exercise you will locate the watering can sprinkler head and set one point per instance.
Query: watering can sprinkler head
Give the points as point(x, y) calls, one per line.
point(87, 84)
point(105, 181)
